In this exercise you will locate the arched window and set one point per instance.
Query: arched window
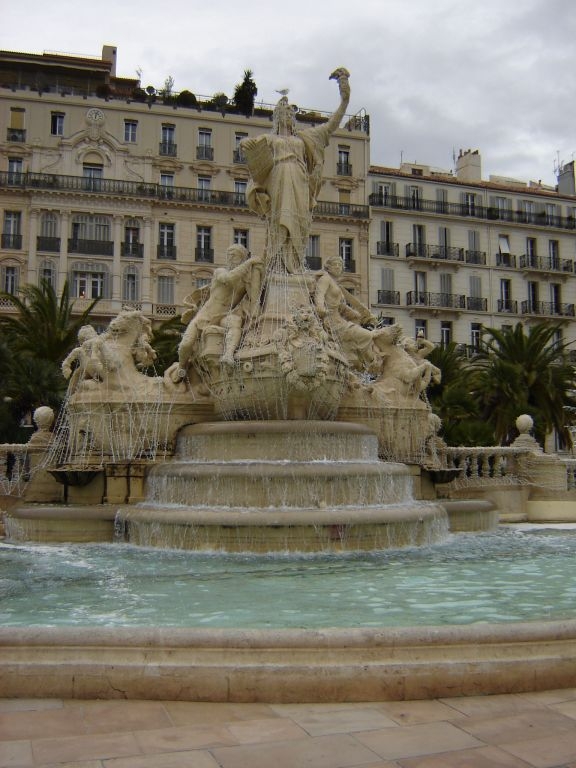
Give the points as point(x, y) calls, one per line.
point(47, 273)
point(131, 284)
point(49, 224)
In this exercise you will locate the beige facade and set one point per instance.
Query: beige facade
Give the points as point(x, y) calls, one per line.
point(135, 199)
point(450, 252)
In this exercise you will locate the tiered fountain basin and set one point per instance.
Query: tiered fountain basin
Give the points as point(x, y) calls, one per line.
point(281, 486)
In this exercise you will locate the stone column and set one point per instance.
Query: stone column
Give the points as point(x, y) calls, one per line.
point(146, 283)
point(32, 276)
point(116, 265)
point(63, 263)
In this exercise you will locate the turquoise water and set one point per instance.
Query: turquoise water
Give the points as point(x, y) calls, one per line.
point(510, 575)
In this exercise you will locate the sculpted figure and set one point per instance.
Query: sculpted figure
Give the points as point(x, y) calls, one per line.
point(232, 285)
point(85, 361)
point(363, 347)
point(405, 373)
point(286, 170)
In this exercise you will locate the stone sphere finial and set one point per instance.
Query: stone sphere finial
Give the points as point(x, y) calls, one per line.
point(43, 418)
point(524, 424)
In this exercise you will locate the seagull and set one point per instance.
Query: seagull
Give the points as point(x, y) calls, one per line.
point(284, 91)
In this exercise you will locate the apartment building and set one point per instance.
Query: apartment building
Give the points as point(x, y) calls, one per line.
point(451, 252)
point(133, 196)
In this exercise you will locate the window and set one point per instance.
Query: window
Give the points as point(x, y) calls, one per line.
point(203, 281)
point(15, 170)
point(92, 181)
point(238, 156)
point(10, 277)
point(204, 250)
point(165, 289)
point(505, 302)
point(313, 259)
point(419, 240)
point(556, 298)
point(167, 140)
point(385, 246)
point(420, 293)
point(344, 202)
point(443, 242)
point(551, 213)
point(446, 289)
point(415, 195)
point(91, 234)
point(48, 239)
point(167, 185)
point(204, 186)
point(532, 293)
point(387, 294)
point(469, 204)
point(131, 245)
point(504, 257)
point(475, 286)
point(204, 150)
point(166, 241)
point(131, 284)
point(383, 192)
point(241, 237)
point(528, 209)
point(421, 328)
point(16, 131)
point(531, 250)
point(240, 192)
point(47, 273)
point(346, 253)
point(441, 201)
point(554, 254)
point(130, 131)
point(475, 336)
point(445, 333)
point(343, 167)
point(57, 123)
point(90, 281)
point(12, 228)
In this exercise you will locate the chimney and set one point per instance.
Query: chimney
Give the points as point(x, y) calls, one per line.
point(469, 165)
point(567, 179)
point(109, 54)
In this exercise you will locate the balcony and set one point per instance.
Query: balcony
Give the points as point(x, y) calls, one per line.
point(434, 252)
point(205, 255)
point(167, 148)
point(238, 157)
point(164, 251)
point(531, 262)
point(385, 248)
point(388, 297)
point(12, 241)
point(313, 262)
point(16, 134)
point(343, 169)
point(547, 308)
point(91, 247)
point(349, 210)
point(507, 305)
point(475, 257)
point(435, 300)
point(132, 250)
point(505, 260)
point(476, 304)
point(204, 152)
point(48, 244)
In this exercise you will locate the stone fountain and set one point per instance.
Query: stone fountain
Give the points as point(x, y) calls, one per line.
point(283, 401)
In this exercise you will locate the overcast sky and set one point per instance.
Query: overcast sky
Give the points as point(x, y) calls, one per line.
point(434, 75)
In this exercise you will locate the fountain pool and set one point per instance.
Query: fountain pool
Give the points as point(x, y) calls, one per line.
point(510, 575)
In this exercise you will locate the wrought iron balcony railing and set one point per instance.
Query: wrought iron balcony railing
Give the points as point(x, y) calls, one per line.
point(204, 152)
point(443, 252)
point(476, 304)
point(505, 260)
point(548, 308)
point(438, 300)
point(470, 209)
point(388, 297)
point(238, 156)
point(164, 251)
point(475, 257)
point(204, 254)
point(48, 244)
point(16, 134)
point(12, 241)
point(134, 250)
point(55, 182)
point(167, 148)
point(91, 247)
point(343, 169)
point(313, 262)
point(507, 305)
point(349, 265)
point(385, 248)
point(546, 264)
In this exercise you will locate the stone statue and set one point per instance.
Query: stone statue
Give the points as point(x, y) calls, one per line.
point(363, 347)
point(85, 361)
point(233, 295)
point(286, 170)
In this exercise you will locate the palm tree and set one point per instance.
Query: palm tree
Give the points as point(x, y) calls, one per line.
point(33, 343)
point(521, 372)
point(165, 340)
point(43, 326)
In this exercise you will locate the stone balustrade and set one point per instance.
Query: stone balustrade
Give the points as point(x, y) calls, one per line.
point(491, 462)
point(15, 461)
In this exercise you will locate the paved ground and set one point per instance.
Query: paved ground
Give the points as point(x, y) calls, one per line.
point(537, 730)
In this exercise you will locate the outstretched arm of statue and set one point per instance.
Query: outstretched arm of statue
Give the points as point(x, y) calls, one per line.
point(341, 75)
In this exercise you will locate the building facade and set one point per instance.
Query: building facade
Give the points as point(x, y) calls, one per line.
point(450, 252)
point(134, 196)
